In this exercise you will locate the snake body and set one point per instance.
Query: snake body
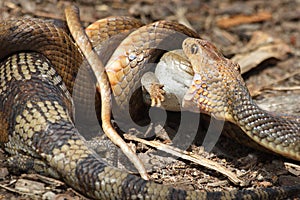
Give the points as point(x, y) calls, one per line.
point(39, 64)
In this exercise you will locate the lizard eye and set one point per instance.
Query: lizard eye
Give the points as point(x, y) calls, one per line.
point(237, 68)
point(194, 49)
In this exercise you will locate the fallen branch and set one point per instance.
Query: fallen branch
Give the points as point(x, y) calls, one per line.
point(191, 157)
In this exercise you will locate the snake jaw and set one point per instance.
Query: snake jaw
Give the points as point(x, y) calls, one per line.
point(213, 72)
point(199, 98)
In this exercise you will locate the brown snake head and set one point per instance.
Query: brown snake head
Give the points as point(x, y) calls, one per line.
point(215, 80)
point(218, 89)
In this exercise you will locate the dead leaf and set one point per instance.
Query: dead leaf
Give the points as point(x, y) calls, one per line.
point(3, 172)
point(236, 20)
point(265, 184)
point(261, 47)
point(29, 186)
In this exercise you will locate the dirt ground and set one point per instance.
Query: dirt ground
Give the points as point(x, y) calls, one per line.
point(273, 80)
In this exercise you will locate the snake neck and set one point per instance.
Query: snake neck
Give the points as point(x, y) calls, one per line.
point(275, 132)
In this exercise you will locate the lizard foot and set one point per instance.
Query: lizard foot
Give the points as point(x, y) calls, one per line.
point(156, 94)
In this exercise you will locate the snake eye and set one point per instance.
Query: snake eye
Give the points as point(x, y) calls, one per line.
point(194, 49)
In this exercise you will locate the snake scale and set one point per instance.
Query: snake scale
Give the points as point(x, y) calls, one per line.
point(39, 64)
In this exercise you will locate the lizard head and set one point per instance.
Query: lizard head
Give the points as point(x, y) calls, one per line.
point(215, 82)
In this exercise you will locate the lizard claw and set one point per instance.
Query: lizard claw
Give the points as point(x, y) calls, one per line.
point(156, 94)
